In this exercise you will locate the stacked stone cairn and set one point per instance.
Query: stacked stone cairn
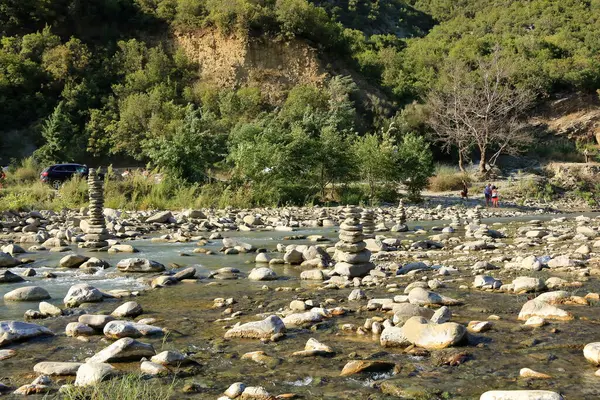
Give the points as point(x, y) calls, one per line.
point(477, 216)
point(352, 256)
point(400, 219)
point(367, 220)
point(96, 235)
point(455, 220)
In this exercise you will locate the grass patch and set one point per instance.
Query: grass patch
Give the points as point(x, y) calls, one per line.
point(129, 387)
point(448, 178)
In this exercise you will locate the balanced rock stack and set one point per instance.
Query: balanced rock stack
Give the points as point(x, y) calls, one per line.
point(455, 220)
point(477, 216)
point(96, 234)
point(352, 256)
point(400, 219)
point(367, 220)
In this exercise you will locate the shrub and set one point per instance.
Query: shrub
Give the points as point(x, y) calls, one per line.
point(27, 171)
point(448, 178)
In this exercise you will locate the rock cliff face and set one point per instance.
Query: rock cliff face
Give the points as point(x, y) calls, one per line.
point(263, 62)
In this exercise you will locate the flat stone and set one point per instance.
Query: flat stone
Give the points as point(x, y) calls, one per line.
point(122, 329)
point(263, 329)
point(125, 349)
point(130, 309)
point(139, 265)
point(72, 261)
point(57, 368)
point(358, 366)
point(16, 331)
point(95, 321)
point(537, 308)
point(420, 332)
point(27, 293)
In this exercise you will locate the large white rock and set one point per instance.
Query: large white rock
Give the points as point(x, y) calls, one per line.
point(122, 329)
point(423, 333)
point(520, 395)
point(422, 297)
point(57, 368)
point(537, 308)
point(16, 331)
point(262, 274)
point(90, 374)
point(528, 284)
point(72, 261)
point(27, 293)
point(82, 293)
point(258, 329)
point(130, 309)
point(591, 352)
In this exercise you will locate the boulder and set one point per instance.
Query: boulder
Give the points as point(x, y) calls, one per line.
point(293, 257)
point(95, 321)
point(72, 261)
point(57, 368)
point(353, 270)
point(153, 369)
point(304, 319)
point(96, 263)
point(520, 395)
point(262, 274)
point(420, 332)
point(161, 217)
point(537, 308)
point(125, 349)
point(131, 309)
point(8, 277)
point(75, 329)
point(528, 284)
point(187, 273)
point(122, 329)
point(49, 310)
point(139, 265)
point(169, 357)
point(358, 366)
point(591, 352)
point(312, 275)
point(27, 293)
point(8, 261)
point(90, 374)
point(258, 329)
point(314, 348)
point(422, 297)
point(82, 293)
point(16, 331)
point(404, 311)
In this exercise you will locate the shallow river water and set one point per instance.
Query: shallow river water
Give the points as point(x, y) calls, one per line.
point(493, 359)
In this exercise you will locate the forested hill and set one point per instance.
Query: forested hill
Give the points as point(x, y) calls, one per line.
point(109, 78)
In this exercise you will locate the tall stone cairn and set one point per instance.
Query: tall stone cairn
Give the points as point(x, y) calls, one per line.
point(367, 220)
point(477, 216)
point(400, 225)
point(96, 234)
point(353, 258)
point(455, 220)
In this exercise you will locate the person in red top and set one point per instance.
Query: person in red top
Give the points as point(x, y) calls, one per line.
point(495, 197)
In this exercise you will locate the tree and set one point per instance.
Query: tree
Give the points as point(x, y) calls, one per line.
point(189, 152)
point(482, 108)
point(57, 132)
point(376, 157)
point(415, 162)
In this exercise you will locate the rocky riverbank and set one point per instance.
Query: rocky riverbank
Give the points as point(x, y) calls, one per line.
point(461, 307)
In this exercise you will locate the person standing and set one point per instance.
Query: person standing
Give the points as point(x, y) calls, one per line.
point(495, 197)
point(487, 192)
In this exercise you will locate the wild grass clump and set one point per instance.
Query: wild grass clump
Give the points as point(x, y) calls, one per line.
point(129, 387)
point(448, 178)
point(26, 172)
point(27, 197)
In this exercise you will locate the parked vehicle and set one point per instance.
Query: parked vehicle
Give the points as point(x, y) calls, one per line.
point(56, 175)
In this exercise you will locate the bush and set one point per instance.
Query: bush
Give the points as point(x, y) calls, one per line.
point(415, 161)
point(27, 171)
point(448, 178)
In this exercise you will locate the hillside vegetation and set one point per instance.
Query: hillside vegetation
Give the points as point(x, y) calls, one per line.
point(99, 81)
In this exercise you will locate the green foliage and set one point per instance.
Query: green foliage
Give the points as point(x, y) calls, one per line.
point(415, 162)
point(189, 152)
point(60, 137)
point(128, 387)
point(376, 158)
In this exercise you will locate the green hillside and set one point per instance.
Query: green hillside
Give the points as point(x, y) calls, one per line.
point(102, 78)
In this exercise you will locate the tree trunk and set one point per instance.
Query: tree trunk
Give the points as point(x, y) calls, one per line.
point(483, 161)
point(460, 161)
